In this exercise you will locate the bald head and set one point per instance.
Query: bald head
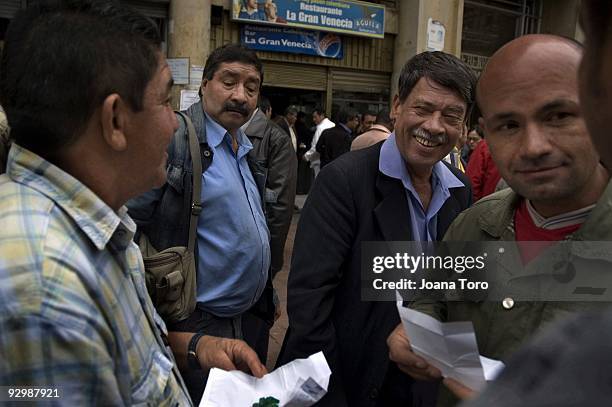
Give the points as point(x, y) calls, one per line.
point(522, 57)
point(528, 97)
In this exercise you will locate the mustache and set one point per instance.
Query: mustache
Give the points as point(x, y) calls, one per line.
point(421, 132)
point(236, 107)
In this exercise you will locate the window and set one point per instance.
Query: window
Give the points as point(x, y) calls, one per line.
point(489, 24)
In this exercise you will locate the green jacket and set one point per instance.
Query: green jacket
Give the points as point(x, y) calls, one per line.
point(500, 331)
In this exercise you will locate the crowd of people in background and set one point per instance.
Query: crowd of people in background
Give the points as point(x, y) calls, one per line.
point(94, 168)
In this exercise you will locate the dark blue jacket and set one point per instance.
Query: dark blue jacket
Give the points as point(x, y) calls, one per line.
point(352, 202)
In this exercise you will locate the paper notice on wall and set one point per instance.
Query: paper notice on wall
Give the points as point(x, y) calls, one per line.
point(180, 70)
point(188, 98)
point(435, 35)
point(195, 75)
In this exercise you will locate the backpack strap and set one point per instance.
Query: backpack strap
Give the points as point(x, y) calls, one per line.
point(196, 192)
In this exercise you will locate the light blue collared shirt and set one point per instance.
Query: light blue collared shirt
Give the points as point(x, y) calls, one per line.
point(423, 222)
point(233, 238)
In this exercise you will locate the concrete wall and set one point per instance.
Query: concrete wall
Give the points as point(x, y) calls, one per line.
point(412, 30)
point(188, 35)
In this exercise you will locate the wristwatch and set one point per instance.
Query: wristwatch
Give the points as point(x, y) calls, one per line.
point(192, 356)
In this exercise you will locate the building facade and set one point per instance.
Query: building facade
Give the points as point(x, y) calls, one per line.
point(363, 71)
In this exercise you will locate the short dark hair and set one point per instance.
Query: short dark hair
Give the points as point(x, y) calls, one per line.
point(319, 110)
point(229, 53)
point(61, 60)
point(383, 117)
point(478, 130)
point(346, 115)
point(367, 112)
point(264, 104)
point(291, 110)
point(442, 68)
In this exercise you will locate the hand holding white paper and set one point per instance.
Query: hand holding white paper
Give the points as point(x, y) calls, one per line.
point(449, 346)
point(300, 383)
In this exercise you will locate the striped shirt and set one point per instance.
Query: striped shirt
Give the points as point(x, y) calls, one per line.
point(74, 311)
point(563, 220)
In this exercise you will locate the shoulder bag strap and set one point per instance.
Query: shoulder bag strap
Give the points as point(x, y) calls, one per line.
point(196, 192)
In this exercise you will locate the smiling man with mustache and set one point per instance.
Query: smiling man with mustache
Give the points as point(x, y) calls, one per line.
point(397, 189)
point(233, 241)
point(528, 96)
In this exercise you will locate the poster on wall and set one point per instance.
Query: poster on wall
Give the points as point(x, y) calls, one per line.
point(180, 70)
point(295, 41)
point(435, 35)
point(195, 75)
point(342, 16)
point(188, 98)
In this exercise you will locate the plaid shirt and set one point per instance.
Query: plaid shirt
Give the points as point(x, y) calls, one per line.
point(74, 311)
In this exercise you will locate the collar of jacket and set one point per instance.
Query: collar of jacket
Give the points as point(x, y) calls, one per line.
point(257, 126)
point(394, 205)
point(258, 170)
point(497, 217)
point(599, 223)
point(196, 114)
point(345, 128)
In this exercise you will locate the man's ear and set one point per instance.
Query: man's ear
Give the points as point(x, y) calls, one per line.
point(395, 107)
point(114, 116)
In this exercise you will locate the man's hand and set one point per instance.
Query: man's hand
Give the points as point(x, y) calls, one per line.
point(228, 354)
point(459, 389)
point(408, 362)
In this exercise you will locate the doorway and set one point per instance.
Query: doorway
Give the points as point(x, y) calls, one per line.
point(304, 100)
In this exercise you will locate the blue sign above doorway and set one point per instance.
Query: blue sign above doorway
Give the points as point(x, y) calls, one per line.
point(327, 45)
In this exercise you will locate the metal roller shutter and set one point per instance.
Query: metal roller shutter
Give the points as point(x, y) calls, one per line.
point(359, 81)
point(356, 81)
point(295, 76)
point(8, 8)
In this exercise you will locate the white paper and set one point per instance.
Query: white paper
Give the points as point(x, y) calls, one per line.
point(188, 98)
point(449, 346)
point(180, 70)
point(492, 368)
point(195, 75)
point(435, 35)
point(300, 383)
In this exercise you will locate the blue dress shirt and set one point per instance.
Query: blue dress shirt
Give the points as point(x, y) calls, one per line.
point(233, 238)
point(423, 222)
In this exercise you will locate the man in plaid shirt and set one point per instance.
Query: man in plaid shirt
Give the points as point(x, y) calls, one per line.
point(86, 92)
